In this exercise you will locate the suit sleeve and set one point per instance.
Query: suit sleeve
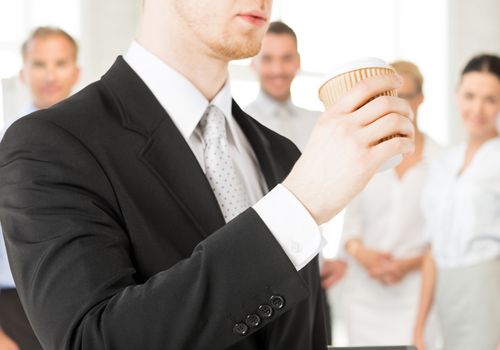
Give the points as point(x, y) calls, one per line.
point(74, 267)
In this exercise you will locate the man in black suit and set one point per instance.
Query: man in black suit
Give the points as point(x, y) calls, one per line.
point(126, 207)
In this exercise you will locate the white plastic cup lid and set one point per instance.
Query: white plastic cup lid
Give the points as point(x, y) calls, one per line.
point(365, 62)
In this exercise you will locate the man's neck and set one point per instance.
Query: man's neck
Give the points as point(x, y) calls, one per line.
point(166, 40)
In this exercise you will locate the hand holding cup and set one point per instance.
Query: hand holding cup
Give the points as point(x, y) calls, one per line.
point(345, 148)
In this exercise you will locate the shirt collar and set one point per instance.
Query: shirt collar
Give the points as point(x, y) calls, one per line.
point(272, 105)
point(29, 109)
point(184, 103)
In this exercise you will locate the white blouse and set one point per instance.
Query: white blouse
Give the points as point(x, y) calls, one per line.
point(386, 215)
point(462, 212)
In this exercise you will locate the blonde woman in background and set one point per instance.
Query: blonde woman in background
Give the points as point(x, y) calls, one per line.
point(384, 240)
point(462, 209)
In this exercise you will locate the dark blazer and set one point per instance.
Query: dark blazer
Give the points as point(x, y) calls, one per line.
point(117, 242)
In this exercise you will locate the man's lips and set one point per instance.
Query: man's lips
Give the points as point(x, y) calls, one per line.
point(49, 90)
point(254, 17)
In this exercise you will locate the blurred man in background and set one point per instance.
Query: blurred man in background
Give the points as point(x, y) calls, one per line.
point(50, 69)
point(50, 72)
point(277, 65)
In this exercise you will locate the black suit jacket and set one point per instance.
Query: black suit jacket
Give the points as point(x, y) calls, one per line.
point(117, 242)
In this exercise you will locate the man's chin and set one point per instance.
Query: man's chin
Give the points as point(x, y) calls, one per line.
point(278, 96)
point(48, 103)
point(238, 51)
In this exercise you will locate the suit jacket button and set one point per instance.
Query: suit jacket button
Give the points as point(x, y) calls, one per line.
point(265, 311)
point(240, 329)
point(252, 320)
point(277, 302)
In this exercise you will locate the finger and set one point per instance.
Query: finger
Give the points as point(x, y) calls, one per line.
point(386, 127)
point(382, 106)
point(386, 255)
point(326, 270)
point(325, 273)
point(388, 149)
point(377, 272)
point(364, 91)
point(391, 269)
point(381, 279)
point(330, 281)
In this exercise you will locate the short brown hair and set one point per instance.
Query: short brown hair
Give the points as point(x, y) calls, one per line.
point(45, 32)
point(410, 69)
point(279, 27)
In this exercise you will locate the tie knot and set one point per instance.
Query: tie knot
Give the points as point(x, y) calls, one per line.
point(213, 124)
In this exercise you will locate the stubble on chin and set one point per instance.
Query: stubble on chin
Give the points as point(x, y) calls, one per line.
point(222, 41)
point(237, 51)
point(230, 48)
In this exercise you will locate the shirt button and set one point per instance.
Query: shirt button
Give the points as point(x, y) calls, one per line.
point(265, 311)
point(240, 329)
point(252, 320)
point(277, 302)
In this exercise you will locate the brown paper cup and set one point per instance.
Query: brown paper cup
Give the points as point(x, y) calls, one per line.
point(331, 91)
point(341, 79)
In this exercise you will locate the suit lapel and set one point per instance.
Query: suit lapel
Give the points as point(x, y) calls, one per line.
point(165, 153)
point(169, 156)
point(270, 165)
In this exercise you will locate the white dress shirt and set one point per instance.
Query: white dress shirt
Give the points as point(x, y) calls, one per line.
point(287, 219)
point(462, 211)
point(6, 280)
point(285, 118)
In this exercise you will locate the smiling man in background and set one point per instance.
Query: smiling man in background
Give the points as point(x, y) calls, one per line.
point(276, 65)
point(50, 69)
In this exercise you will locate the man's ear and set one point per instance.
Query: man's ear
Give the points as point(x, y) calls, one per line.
point(421, 98)
point(78, 74)
point(21, 76)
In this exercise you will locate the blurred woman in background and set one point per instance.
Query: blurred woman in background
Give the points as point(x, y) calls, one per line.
point(384, 238)
point(461, 205)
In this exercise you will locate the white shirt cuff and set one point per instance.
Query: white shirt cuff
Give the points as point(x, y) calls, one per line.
point(291, 225)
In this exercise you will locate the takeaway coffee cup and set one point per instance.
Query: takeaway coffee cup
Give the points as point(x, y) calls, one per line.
point(343, 77)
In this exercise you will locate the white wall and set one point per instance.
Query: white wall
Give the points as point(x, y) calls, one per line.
point(107, 28)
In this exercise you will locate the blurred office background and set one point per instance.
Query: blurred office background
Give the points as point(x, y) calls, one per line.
point(438, 35)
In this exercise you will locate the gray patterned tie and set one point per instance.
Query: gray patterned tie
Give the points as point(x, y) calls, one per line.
point(225, 181)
